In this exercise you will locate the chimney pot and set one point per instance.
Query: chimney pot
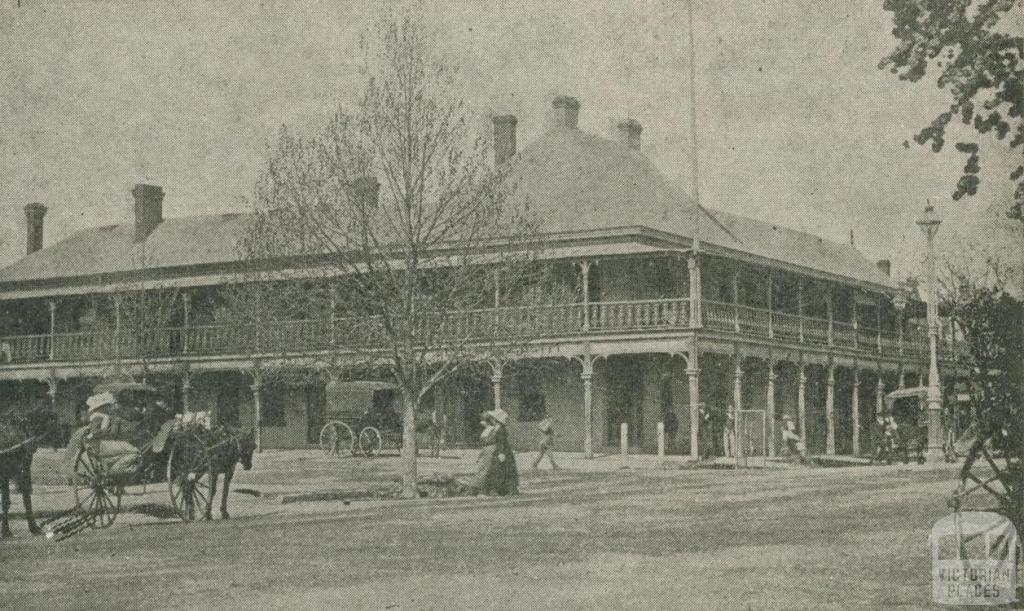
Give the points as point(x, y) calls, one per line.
point(149, 209)
point(567, 111)
point(504, 138)
point(629, 133)
point(885, 265)
point(34, 214)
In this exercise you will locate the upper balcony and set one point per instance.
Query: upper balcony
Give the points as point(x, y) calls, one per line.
point(568, 321)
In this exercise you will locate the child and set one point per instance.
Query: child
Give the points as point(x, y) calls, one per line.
point(546, 446)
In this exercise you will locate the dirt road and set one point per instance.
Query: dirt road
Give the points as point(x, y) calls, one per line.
point(828, 538)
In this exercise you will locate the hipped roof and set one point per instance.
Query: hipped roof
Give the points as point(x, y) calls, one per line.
point(574, 181)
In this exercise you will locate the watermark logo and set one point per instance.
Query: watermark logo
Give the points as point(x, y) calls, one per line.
point(974, 559)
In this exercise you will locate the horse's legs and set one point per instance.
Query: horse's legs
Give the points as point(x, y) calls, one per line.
point(25, 484)
point(228, 474)
point(208, 510)
point(5, 506)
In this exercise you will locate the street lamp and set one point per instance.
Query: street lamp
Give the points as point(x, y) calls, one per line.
point(929, 223)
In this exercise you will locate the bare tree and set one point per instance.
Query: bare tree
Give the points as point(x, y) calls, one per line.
point(395, 209)
point(133, 324)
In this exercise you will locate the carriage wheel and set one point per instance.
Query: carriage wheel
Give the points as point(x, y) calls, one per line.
point(335, 437)
point(1000, 484)
point(370, 441)
point(189, 477)
point(97, 494)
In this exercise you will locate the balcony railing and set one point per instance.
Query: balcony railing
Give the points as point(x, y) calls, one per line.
point(566, 320)
point(633, 315)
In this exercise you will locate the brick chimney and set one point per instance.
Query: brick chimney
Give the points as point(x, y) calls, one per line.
point(504, 138)
point(567, 111)
point(885, 265)
point(34, 214)
point(629, 133)
point(149, 209)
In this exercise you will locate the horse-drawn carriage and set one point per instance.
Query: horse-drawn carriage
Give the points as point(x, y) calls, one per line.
point(906, 408)
point(362, 417)
point(142, 442)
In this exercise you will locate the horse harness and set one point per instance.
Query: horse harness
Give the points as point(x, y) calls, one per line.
point(19, 445)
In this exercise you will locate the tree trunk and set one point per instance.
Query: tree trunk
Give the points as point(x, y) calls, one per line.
point(409, 490)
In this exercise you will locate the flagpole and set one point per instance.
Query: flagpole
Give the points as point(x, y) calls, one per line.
point(695, 170)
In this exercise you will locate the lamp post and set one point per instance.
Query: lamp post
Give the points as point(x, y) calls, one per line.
point(929, 223)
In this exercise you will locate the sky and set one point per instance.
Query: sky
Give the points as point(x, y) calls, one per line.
point(797, 126)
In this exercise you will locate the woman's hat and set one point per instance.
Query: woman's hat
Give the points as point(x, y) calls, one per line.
point(99, 400)
point(498, 414)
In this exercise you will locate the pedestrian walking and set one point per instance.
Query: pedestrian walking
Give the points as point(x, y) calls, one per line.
point(729, 433)
point(794, 443)
point(546, 445)
point(496, 465)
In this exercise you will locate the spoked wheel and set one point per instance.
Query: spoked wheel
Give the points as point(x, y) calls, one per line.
point(337, 437)
point(992, 474)
point(97, 493)
point(370, 441)
point(189, 476)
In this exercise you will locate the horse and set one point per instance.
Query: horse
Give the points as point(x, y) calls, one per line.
point(232, 449)
point(20, 433)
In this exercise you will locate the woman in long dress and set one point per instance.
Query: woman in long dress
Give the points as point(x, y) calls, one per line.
point(496, 464)
point(504, 478)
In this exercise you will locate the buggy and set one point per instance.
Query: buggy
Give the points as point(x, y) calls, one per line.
point(362, 417)
point(167, 449)
point(905, 406)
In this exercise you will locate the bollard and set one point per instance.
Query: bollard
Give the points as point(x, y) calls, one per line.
point(661, 439)
point(624, 441)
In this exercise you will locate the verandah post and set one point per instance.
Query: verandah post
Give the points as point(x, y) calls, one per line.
point(585, 280)
point(623, 441)
point(736, 299)
point(830, 410)
point(801, 400)
point(693, 376)
point(855, 410)
point(53, 327)
point(693, 266)
point(257, 407)
point(587, 374)
point(800, 306)
point(770, 424)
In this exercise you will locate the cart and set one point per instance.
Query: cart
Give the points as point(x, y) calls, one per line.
point(169, 451)
point(362, 418)
point(906, 406)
